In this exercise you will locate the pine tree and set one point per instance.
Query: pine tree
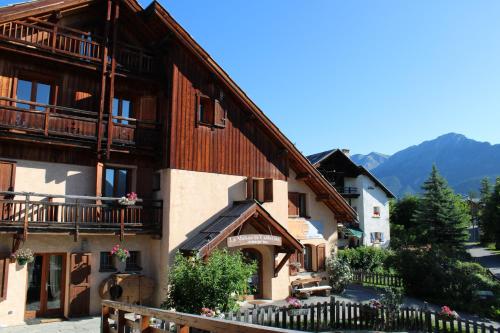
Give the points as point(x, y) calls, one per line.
point(485, 190)
point(491, 215)
point(442, 217)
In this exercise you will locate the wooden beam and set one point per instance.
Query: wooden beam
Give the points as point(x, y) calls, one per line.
point(303, 176)
point(282, 263)
point(104, 64)
point(112, 78)
point(324, 197)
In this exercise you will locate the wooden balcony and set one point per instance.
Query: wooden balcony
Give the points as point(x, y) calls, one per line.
point(123, 317)
point(63, 123)
point(348, 191)
point(73, 43)
point(25, 212)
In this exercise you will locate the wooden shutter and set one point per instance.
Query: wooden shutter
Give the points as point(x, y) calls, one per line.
point(7, 176)
point(148, 109)
point(4, 275)
point(79, 287)
point(260, 193)
point(249, 188)
point(219, 114)
point(293, 204)
point(321, 254)
point(268, 190)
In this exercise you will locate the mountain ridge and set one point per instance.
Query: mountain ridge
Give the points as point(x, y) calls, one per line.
point(462, 161)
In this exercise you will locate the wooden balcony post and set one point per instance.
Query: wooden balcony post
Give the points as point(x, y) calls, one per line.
point(54, 38)
point(122, 223)
point(112, 78)
point(182, 329)
point(26, 216)
point(77, 219)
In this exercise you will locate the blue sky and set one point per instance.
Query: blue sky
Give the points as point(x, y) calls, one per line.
point(365, 75)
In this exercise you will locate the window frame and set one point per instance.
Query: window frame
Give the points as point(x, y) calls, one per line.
point(299, 200)
point(111, 267)
point(261, 189)
point(35, 79)
point(119, 111)
point(212, 110)
point(376, 211)
point(135, 266)
point(116, 170)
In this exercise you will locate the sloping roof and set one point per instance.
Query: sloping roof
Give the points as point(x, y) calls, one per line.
point(317, 158)
point(228, 221)
point(315, 180)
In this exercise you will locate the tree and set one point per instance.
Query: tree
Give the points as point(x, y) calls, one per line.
point(402, 222)
point(215, 283)
point(485, 193)
point(491, 215)
point(442, 217)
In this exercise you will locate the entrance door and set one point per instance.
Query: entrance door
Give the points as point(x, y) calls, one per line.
point(255, 282)
point(46, 282)
point(79, 285)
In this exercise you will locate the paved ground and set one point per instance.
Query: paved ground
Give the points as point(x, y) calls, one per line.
point(486, 258)
point(85, 325)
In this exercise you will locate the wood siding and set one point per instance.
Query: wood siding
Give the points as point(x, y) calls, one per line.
point(242, 147)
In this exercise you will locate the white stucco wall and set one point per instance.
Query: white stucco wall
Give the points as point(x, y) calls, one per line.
point(372, 195)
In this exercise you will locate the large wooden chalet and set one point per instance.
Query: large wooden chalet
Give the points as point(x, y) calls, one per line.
point(100, 98)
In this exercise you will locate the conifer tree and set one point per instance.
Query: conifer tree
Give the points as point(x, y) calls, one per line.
point(442, 217)
point(491, 215)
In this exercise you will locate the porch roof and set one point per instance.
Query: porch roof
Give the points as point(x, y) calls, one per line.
point(230, 220)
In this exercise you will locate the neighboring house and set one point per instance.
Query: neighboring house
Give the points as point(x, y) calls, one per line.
point(101, 98)
point(364, 192)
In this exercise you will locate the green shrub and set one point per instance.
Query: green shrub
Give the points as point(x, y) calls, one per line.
point(339, 273)
point(372, 259)
point(215, 283)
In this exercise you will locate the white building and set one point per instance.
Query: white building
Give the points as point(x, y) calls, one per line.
point(364, 192)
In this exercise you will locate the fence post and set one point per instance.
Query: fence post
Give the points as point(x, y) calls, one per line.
point(332, 311)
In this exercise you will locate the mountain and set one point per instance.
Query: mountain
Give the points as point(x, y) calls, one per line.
point(462, 161)
point(370, 161)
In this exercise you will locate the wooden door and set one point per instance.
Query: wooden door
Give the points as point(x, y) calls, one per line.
point(79, 286)
point(7, 176)
point(321, 254)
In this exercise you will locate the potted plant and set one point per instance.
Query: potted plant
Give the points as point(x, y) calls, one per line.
point(128, 200)
point(447, 313)
point(121, 254)
point(24, 256)
point(295, 307)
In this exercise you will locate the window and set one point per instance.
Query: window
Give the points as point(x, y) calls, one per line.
point(116, 182)
point(33, 91)
point(106, 262)
point(377, 237)
point(376, 211)
point(308, 258)
point(133, 262)
point(297, 204)
point(121, 108)
point(260, 189)
point(209, 112)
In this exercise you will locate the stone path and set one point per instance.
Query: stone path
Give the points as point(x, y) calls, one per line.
point(486, 258)
point(85, 325)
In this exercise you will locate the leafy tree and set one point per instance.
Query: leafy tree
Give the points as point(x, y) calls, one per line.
point(215, 283)
point(491, 215)
point(402, 222)
point(442, 217)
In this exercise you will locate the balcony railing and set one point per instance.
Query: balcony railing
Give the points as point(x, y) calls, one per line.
point(347, 190)
point(58, 121)
point(75, 43)
point(35, 212)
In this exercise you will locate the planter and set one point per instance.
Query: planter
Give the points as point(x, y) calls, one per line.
point(120, 266)
point(23, 261)
point(297, 312)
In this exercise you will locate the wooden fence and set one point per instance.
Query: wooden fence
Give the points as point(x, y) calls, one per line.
point(335, 315)
point(127, 318)
point(377, 279)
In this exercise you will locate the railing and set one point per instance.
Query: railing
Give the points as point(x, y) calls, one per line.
point(122, 317)
point(28, 211)
point(53, 120)
point(72, 42)
point(335, 315)
point(377, 279)
point(348, 190)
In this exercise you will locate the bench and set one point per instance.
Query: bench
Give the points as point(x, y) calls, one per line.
point(302, 288)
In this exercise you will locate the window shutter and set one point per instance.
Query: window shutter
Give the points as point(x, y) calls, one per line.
point(300, 258)
point(293, 204)
point(249, 188)
point(372, 237)
point(268, 190)
point(382, 238)
point(260, 195)
point(219, 114)
point(197, 108)
point(148, 110)
point(4, 275)
point(320, 253)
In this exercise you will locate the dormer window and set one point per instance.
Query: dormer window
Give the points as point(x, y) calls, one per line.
point(209, 112)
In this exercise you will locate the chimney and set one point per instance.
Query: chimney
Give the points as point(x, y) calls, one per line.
point(345, 151)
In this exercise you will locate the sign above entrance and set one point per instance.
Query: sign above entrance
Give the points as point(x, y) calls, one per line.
point(253, 239)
